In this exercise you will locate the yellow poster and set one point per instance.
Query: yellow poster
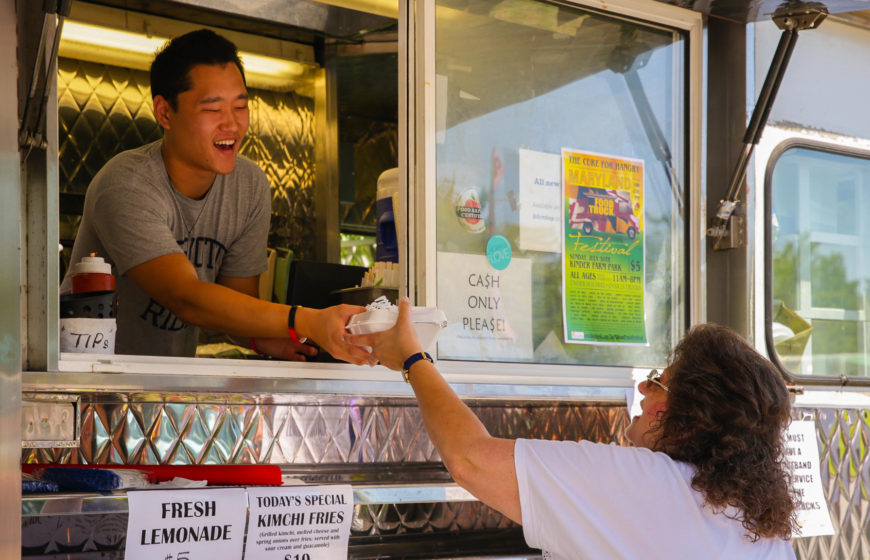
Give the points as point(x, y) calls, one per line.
point(603, 277)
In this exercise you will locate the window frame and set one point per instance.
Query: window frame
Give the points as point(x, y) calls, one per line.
point(422, 273)
point(416, 162)
point(780, 148)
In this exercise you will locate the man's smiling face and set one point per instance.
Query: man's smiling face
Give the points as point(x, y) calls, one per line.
point(204, 133)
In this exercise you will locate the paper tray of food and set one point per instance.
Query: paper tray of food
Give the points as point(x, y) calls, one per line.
point(427, 321)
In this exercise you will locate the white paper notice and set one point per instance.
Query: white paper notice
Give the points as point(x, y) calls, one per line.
point(802, 455)
point(299, 523)
point(207, 524)
point(540, 201)
point(489, 311)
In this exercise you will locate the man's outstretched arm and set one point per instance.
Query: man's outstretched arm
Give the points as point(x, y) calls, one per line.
point(171, 280)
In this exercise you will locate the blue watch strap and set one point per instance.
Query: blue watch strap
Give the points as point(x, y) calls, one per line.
point(413, 360)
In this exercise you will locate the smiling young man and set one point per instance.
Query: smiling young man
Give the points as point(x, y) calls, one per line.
point(705, 477)
point(184, 220)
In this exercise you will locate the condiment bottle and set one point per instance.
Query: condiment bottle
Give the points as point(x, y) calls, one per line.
point(92, 274)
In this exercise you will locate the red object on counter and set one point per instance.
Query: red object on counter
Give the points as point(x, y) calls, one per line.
point(215, 475)
point(92, 274)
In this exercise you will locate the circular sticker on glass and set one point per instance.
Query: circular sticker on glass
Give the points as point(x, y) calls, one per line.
point(468, 211)
point(498, 252)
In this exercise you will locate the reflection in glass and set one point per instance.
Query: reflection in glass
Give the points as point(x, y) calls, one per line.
point(523, 75)
point(821, 262)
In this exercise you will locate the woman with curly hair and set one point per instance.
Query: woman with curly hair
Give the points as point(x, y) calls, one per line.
point(705, 477)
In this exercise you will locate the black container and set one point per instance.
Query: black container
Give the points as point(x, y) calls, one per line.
point(89, 305)
point(364, 296)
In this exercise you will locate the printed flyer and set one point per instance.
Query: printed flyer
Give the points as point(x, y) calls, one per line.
point(603, 277)
point(299, 522)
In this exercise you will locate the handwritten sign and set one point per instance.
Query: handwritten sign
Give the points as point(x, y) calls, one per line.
point(186, 524)
point(299, 523)
point(802, 456)
point(95, 336)
point(489, 311)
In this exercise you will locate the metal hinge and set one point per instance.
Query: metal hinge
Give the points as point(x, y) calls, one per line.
point(727, 227)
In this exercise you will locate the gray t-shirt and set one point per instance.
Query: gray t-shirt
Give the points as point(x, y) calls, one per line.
point(133, 214)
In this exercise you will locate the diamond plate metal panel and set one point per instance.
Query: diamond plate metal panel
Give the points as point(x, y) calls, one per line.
point(248, 429)
point(67, 534)
point(398, 519)
point(179, 429)
point(140, 428)
point(103, 110)
point(843, 436)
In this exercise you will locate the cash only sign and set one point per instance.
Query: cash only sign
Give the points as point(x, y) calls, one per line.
point(283, 523)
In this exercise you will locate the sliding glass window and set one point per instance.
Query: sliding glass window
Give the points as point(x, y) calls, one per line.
point(561, 173)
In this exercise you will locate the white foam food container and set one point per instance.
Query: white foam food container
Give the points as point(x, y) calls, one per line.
point(427, 321)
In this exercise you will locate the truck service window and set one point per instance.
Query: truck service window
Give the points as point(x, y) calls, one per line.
point(323, 113)
point(561, 184)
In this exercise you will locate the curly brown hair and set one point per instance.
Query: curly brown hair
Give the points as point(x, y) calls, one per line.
point(727, 410)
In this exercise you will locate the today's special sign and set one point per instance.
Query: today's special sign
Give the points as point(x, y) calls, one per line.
point(299, 522)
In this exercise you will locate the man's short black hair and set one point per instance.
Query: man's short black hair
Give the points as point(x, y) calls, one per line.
point(170, 71)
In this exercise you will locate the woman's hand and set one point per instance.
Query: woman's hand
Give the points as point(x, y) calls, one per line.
point(392, 347)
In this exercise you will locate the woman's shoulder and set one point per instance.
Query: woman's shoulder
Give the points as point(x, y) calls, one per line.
point(589, 452)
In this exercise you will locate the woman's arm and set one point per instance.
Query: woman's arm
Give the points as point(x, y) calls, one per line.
point(478, 462)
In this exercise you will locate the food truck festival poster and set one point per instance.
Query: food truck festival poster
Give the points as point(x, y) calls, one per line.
point(603, 278)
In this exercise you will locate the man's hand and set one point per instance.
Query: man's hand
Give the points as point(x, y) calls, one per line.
point(285, 349)
point(327, 328)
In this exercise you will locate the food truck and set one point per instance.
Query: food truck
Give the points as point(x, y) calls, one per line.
point(743, 153)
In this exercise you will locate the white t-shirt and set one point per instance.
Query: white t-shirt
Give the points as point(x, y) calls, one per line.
point(597, 501)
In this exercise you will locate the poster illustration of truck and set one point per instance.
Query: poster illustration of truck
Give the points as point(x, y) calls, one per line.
point(603, 211)
point(603, 278)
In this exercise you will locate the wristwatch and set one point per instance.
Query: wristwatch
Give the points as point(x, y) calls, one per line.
point(413, 360)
